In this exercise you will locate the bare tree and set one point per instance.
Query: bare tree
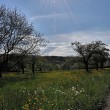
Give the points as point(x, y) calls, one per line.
point(86, 51)
point(16, 36)
point(100, 57)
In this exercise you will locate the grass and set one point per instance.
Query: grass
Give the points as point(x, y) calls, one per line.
point(58, 90)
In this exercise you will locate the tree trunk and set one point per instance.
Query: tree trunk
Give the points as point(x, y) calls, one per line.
point(40, 69)
point(33, 65)
point(87, 69)
point(101, 65)
point(22, 70)
point(33, 69)
point(97, 67)
point(0, 74)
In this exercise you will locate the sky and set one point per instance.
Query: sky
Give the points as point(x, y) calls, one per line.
point(65, 21)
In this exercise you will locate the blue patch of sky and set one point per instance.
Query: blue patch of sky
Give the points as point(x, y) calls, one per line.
point(80, 14)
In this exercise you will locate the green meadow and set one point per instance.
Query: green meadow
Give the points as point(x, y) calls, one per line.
point(58, 90)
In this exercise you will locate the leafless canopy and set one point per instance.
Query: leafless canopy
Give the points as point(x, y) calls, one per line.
point(86, 51)
point(16, 35)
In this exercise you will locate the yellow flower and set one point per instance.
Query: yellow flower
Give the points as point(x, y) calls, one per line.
point(29, 100)
point(43, 99)
point(25, 107)
point(36, 98)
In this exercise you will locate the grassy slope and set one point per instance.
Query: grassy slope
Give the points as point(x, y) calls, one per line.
point(60, 90)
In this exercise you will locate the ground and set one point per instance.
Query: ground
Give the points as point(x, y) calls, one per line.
point(57, 90)
point(107, 102)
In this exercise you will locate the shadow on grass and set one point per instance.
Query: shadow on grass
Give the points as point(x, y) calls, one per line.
point(16, 78)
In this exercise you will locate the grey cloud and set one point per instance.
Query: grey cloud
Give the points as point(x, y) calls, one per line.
point(49, 16)
point(85, 36)
point(59, 49)
point(61, 44)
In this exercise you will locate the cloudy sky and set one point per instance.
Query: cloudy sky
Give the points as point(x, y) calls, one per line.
point(66, 21)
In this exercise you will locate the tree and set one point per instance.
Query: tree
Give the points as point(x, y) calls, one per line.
point(17, 62)
point(16, 36)
point(86, 51)
point(100, 57)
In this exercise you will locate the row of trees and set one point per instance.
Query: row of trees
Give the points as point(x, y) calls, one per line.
point(92, 55)
point(31, 64)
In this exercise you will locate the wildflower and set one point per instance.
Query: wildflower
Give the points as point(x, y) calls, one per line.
point(77, 93)
point(73, 88)
point(82, 90)
point(26, 107)
point(36, 98)
point(34, 104)
point(28, 93)
point(43, 99)
point(29, 100)
point(35, 92)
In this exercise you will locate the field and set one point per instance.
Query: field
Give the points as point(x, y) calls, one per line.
point(58, 90)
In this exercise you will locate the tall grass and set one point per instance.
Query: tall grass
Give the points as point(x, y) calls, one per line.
point(60, 90)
